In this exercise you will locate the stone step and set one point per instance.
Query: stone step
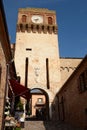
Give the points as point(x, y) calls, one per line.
point(48, 125)
point(34, 125)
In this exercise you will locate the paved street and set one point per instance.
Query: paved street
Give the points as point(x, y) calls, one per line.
point(40, 125)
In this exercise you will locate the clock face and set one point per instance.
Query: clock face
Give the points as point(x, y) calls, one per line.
point(37, 19)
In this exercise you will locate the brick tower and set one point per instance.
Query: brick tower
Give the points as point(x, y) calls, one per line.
point(37, 53)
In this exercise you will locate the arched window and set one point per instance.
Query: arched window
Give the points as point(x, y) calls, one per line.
point(50, 20)
point(24, 18)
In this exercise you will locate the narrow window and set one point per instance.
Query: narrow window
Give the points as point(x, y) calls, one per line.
point(28, 49)
point(24, 18)
point(50, 21)
point(26, 72)
point(83, 81)
point(40, 100)
point(62, 107)
point(47, 73)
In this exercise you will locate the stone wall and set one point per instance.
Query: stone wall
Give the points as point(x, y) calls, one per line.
point(72, 102)
point(2, 84)
point(67, 67)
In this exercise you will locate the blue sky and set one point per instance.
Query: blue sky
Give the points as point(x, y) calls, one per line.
point(71, 20)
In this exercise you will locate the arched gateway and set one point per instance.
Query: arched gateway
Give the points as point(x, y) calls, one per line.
point(37, 55)
point(39, 103)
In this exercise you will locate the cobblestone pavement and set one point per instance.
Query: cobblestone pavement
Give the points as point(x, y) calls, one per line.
point(48, 125)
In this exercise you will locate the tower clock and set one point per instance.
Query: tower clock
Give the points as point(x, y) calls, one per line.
point(37, 19)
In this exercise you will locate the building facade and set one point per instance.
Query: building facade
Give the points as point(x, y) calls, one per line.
point(72, 105)
point(5, 66)
point(36, 50)
point(37, 57)
point(59, 84)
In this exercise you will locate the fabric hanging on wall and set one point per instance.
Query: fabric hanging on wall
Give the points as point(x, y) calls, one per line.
point(20, 90)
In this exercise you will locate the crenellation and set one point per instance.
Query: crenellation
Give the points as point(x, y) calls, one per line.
point(50, 30)
point(55, 29)
point(45, 29)
point(28, 28)
point(18, 28)
point(40, 28)
point(34, 28)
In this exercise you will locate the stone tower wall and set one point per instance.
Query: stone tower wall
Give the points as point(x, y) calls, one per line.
point(67, 67)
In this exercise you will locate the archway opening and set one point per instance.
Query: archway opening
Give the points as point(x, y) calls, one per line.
point(38, 106)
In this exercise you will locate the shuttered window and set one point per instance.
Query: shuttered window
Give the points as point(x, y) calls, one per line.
point(83, 81)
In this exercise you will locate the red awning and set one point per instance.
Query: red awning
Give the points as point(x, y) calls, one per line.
point(19, 89)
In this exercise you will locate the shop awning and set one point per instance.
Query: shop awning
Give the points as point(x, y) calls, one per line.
point(20, 90)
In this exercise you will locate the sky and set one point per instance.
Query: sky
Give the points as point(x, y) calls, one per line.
point(71, 19)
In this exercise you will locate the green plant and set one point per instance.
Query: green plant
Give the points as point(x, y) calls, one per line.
point(19, 106)
point(17, 128)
